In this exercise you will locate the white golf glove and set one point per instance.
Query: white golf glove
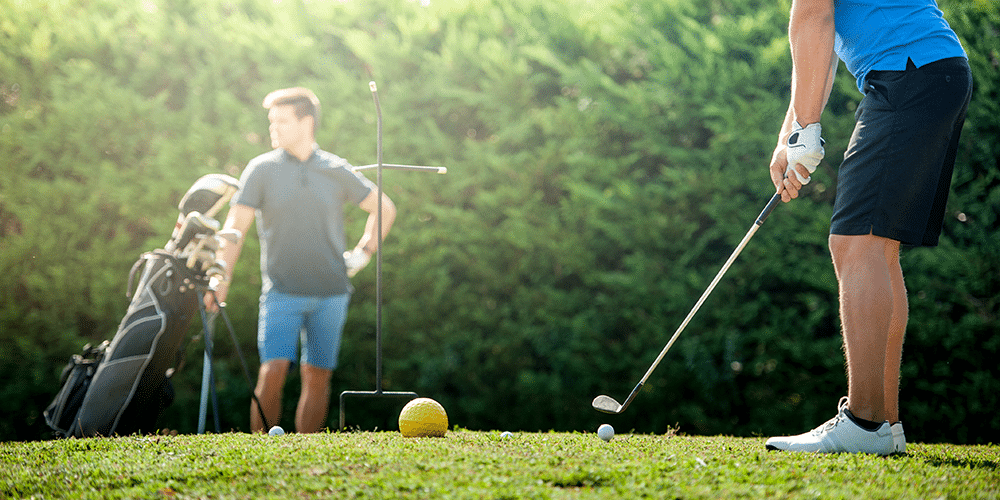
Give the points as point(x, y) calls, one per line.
point(804, 147)
point(356, 260)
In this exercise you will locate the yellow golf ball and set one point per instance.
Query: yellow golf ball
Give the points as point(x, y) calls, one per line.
point(423, 417)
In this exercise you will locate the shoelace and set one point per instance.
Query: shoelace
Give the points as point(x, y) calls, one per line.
point(830, 424)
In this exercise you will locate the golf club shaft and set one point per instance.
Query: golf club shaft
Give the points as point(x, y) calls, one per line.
point(753, 229)
point(243, 364)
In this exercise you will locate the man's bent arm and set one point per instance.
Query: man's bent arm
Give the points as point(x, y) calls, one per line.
point(370, 205)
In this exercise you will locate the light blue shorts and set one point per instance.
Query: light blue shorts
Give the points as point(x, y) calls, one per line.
point(317, 321)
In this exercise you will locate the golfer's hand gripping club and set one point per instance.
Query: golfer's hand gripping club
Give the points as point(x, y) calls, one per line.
point(804, 146)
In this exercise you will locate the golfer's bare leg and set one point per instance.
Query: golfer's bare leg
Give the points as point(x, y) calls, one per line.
point(310, 416)
point(270, 382)
point(866, 307)
point(897, 330)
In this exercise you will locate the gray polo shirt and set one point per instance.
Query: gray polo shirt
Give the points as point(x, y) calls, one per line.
point(300, 219)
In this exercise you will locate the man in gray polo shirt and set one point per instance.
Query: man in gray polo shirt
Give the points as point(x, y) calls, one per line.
point(297, 193)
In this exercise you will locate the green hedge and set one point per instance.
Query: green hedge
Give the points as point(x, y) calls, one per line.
point(604, 160)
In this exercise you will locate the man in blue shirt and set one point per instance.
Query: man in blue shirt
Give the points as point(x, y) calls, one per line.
point(297, 193)
point(891, 188)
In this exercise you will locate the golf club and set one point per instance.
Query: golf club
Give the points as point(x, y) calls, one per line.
point(607, 404)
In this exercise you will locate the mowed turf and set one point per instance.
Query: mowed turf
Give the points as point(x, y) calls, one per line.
point(468, 464)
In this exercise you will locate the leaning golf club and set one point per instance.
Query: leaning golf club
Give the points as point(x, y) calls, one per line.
point(607, 404)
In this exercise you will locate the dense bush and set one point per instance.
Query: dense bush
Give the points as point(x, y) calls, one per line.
point(604, 160)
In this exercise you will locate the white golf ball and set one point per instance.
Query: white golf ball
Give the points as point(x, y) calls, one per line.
point(605, 432)
point(276, 431)
point(506, 434)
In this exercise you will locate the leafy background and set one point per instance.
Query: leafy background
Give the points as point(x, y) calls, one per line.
point(604, 157)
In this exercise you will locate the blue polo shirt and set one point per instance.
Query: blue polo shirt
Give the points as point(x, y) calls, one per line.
point(300, 219)
point(880, 35)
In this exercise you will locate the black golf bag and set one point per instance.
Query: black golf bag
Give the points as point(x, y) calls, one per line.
point(121, 387)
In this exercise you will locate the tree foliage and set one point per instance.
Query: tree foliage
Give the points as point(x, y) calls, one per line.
point(604, 160)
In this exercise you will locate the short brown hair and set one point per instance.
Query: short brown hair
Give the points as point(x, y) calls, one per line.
point(304, 102)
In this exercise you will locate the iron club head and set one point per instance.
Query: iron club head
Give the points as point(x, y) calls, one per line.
point(606, 404)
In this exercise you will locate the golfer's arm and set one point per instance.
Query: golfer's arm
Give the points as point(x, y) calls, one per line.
point(370, 205)
point(811, 36)
point(240, 217)
point(786, 126)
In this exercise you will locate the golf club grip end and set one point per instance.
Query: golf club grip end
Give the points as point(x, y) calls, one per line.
point(775, 199)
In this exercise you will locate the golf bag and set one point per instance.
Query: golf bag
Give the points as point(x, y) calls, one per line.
point(122, 386)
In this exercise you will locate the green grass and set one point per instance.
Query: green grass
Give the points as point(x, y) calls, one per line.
point(467, 464)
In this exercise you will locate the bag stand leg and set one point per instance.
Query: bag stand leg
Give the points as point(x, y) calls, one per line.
point(207, 375)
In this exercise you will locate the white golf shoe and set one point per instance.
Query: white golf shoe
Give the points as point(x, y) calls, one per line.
point(839, 435)
point(898, 438)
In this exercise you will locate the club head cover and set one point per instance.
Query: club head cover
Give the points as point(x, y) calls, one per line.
point(194, 225)
point(231, 236)
point(209, 194)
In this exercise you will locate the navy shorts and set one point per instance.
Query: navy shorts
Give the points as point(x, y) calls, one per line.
point(897, 169)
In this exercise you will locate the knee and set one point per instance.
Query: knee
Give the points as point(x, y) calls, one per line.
point(273, 371)
point(312, 374)
point(850, 252)
point(866, 251)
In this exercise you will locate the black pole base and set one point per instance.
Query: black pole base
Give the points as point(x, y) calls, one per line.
point(371, 394)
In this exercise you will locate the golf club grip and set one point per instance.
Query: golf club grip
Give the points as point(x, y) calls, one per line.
point(732, 258)
point(771, 205)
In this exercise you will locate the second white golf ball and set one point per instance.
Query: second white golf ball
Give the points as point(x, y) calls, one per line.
point(605, 432)
point(276, 431)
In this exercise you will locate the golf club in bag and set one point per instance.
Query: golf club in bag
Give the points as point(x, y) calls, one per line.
point(607, 404)
point(121, 386)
